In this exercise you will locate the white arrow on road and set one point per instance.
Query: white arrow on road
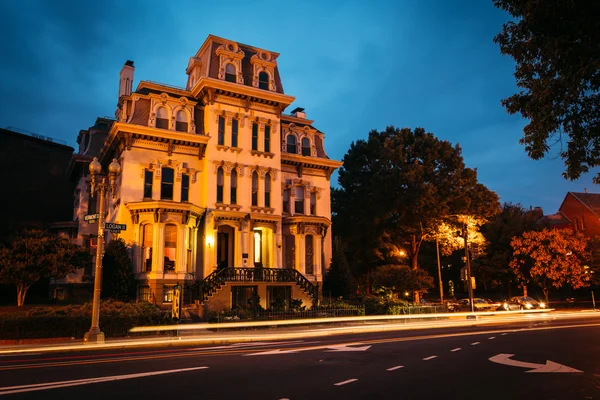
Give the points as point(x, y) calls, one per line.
point(346, 348)
point(550, 366)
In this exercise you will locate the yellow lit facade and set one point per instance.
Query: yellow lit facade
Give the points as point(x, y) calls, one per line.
point(218, 185)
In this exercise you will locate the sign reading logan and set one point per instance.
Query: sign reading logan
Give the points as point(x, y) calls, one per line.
point(115, 228)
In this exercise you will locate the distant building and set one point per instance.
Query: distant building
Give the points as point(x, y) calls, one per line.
point(579, 212)
point(217, 184)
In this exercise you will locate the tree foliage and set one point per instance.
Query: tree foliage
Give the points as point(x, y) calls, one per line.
point(396, 187)
point(550, 258)
point(35, 254)
point(117, 276)
point(398, 279)
point(338, 279)
point(556, 46)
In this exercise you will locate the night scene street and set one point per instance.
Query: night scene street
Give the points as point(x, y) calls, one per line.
point(326, 199)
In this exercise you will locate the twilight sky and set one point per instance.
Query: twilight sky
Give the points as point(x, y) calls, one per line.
point(353, 65)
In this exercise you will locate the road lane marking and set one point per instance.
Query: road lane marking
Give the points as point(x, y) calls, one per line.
point(86, 381)
point(395, 368)
point(503, 334)
point(475, 343)
point(429, 358)
point(456, 349)
point(345, 382)
point(549, 366)
point(492, 338)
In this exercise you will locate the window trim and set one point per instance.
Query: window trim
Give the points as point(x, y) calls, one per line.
point(289, 145)
point(164, 184)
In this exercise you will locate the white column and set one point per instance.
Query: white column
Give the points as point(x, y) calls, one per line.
point(318, 268)
point(300, 249)
point(181, 260)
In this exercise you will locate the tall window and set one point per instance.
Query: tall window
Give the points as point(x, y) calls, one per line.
point(254, 189)
point(185, 187)
point(299, 202)
point(263, 80)
point(291, 144)
point(233, 187)
point(234, 133)
point(221, 133)
point(255, 137)
point(220, 185)
point(268, 190)
point(166, 184)
point(305, 147)
point(313, 203)
point(230, 73)
point(148, 175)
point(147, 234)
point(308, 255)
point(170, 247)
point(267, 138)
point(181, 122)
point(162, 118)
point(286, 201)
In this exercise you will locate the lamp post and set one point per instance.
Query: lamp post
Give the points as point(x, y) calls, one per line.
point(94, 335)
point(468, 263)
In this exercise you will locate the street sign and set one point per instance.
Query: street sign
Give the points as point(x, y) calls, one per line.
point(91, 217)
point(111, 226)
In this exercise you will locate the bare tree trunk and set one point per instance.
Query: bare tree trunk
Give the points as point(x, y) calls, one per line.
point(21, 292)
point(546, 291)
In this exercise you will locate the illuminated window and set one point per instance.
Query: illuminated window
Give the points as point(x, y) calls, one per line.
point(291, 144)
point(220, 185)
point(313, 203)
point(233, 187)
point(230, 73)
point(305, 147)
point(267, 138)
point(254, 189)
point(234, 133)
point(181, 122)
point(170, 247)
point(168, 291)
point(263, 81)
point(268, 190)
point(221, 132)
point(255, 137)
point(257, 247)
point(144, 293)
point(148, 175)
point(299, 202)
point(147, 237)
point(166, 184)
point(185, 187)
point(162, 118)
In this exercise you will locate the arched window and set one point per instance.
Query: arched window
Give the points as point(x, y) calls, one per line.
point(305, 147)
point(299, 202)
point(220, 185)
point(170, 247)
point(263, 80)
point(162, 118)
point(147, 237)
point(254, 189)
point(230, 73)
point(313, 203)
point(233, 187)
point(291, 144)
point(181, 122)
point(166, 183)
point(268, 190)
point(267, 138)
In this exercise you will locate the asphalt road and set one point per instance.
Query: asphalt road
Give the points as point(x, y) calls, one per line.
point(522, 359)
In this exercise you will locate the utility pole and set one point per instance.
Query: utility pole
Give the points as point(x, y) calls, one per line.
point(437, 246)
point(468, 261)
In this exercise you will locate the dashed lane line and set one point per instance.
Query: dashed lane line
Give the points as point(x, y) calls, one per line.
point(456, 349)
point(492, 338)
point(475, 343)
point(345, 382)
point(395, 368)
point(429, 358)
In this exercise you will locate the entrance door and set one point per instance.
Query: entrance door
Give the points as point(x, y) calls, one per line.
point(289, 251)
point(222, 250)
point(258, 253)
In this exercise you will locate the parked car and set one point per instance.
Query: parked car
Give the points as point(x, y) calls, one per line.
point(495, 305)
point(478, 305)
point(522, 303)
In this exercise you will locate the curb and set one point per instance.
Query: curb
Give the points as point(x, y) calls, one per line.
point(9, 342)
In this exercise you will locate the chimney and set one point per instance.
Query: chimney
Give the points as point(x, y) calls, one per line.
point(126, 79)
point(298, 112)
point(585, 190)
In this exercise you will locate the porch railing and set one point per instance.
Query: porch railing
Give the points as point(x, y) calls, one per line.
point(213, 282)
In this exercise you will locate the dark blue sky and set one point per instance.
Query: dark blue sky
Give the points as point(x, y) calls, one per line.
point(353, 65)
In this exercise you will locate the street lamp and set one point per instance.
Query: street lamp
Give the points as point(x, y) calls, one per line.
point(94, 335)
point(465, 233)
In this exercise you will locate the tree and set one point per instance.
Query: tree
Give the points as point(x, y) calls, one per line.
point(398, 279)
point(35, 254)
point(396, 187)
point(550, 258)
point(338, 280)
point(117, 279)
point(556, 46)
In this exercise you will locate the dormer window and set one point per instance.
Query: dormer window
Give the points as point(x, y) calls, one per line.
point(263, 81)
point(305, 147)
point(291, 144)
point(162, 118)
point(230, 73)
point(181, 123)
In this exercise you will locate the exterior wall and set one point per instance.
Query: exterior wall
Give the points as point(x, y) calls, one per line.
point(583, 219)
point(221, 300)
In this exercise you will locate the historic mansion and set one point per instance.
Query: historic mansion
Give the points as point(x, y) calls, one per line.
point(221, 191)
